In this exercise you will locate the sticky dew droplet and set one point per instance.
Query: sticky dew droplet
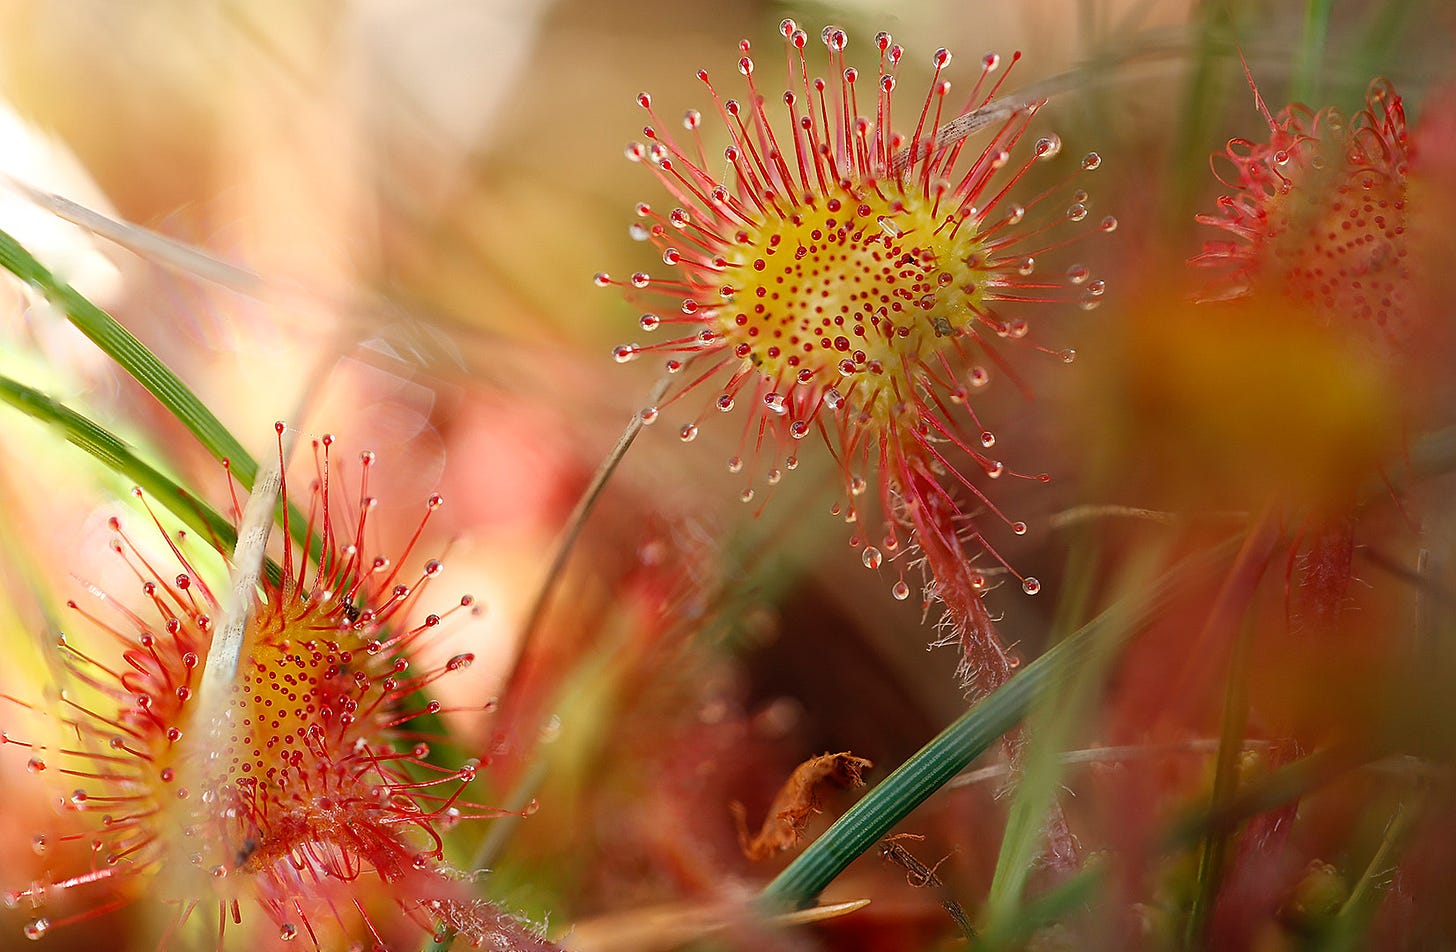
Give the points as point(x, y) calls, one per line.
point(1048, 146)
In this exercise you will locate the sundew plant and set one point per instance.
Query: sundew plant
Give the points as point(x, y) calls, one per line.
point(836, 476)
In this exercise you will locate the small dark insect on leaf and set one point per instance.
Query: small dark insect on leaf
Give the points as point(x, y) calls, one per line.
point(351, 611)
point(796, 801)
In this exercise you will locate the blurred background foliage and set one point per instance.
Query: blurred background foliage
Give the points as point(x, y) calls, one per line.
point(397, 206)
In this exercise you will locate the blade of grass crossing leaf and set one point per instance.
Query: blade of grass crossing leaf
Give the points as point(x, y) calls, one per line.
point(1225, 780)
point(1055, 905)
point(119, 457)
point(1208, 86)
point(133, 356)
point(1382, 33)
point(966, 739)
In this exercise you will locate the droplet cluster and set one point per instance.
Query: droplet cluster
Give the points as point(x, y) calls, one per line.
point(852, 276)
point(309, 788)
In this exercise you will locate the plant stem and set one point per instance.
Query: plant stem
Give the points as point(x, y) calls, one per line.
point(1316, 31)
point(937, 762)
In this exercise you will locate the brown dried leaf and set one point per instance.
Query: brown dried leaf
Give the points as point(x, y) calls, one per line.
point(796, 801)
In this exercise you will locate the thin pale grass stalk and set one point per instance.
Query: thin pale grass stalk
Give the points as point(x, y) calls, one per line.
point(1120, 754)
point(491, 848)
point(576, 522)
point(360, 315)
point(1076, 515)
point(225, 653)
point(948, 754)
point(146, 243)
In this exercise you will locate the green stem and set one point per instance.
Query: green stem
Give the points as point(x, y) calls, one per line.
point(928, 770)
point(1316, 32)
point(1230, 612)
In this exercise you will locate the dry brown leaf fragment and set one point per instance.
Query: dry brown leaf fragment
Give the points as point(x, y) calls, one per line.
point(796, 801)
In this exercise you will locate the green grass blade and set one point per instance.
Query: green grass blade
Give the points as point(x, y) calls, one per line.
point(953, 749)
point(144, 366)
point(1051, 729)
point(119, 457)
point(1353, 922)
point(1307, 85)
point(133, 357)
